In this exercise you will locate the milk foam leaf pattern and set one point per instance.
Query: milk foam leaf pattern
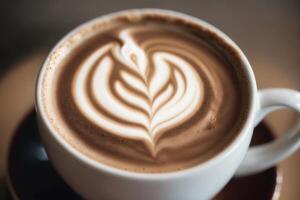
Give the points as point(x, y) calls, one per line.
point(135, 94)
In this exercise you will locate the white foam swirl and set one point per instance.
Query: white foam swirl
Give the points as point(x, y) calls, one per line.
point(145, 106)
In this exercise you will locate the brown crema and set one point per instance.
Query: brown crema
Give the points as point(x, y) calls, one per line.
point(148, 94)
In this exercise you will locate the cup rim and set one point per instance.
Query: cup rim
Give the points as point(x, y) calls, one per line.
point(248, 124)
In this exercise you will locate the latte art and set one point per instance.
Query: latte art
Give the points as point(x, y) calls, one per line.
point(145, 93)
point(134, 93)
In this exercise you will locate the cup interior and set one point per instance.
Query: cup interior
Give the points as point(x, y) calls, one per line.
point(62, 48)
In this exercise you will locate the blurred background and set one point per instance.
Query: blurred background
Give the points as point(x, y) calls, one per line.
point(267, 31)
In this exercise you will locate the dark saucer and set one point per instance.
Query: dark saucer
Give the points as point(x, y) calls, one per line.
point(31, 175)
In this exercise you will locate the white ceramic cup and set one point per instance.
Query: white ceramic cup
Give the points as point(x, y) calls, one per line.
point(94, 180)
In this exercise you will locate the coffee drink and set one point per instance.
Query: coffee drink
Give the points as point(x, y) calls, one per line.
point(145, 92)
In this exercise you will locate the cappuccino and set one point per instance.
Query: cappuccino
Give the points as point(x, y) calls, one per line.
point(145, 92)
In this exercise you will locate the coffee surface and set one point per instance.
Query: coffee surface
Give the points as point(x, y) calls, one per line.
point(146, 94)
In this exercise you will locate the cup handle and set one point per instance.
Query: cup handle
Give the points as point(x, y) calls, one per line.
point(264, 156)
